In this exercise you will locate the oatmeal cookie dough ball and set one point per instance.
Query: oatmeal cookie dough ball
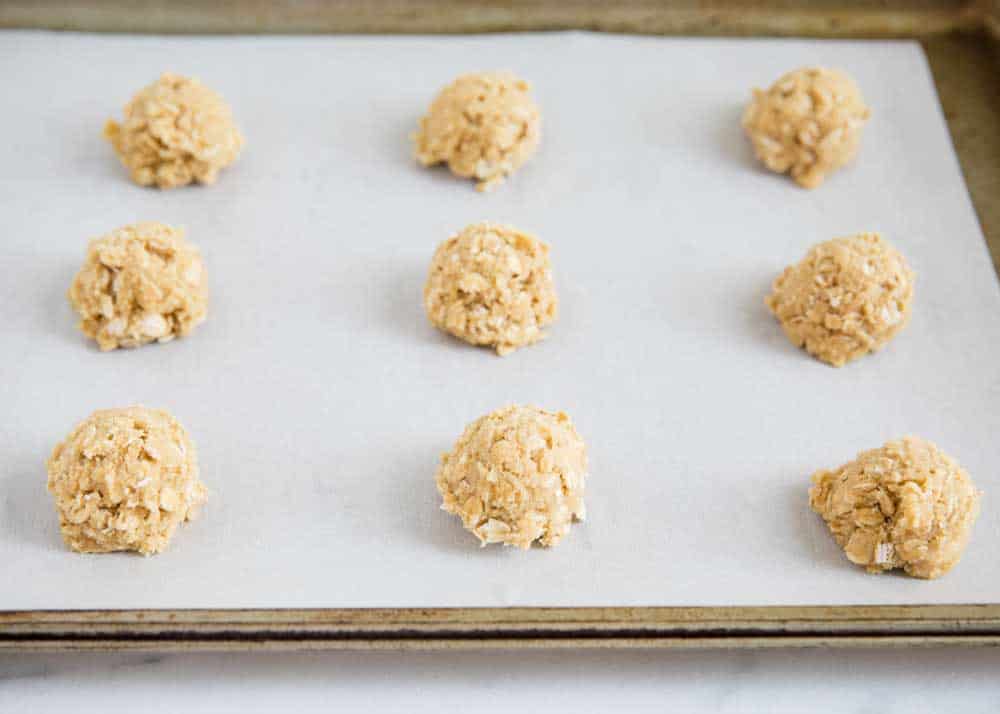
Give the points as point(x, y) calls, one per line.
point(139, 284)
point(176, 131)
point(516, 476)
point(124, 479)
point(906, 505)
point(848, 297)
point(483, 126)
point(491, 285)
point(808, 124)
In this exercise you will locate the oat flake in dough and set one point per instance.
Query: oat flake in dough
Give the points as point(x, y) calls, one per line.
point(846, 298)
point(176, 131)
point(139, 284)
point(483, 126)
point(124, 479)
point(516, 476)
point(808, 124)
point(906, 505)
point(491, 285)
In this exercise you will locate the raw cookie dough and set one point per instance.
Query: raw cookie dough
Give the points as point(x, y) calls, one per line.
point(491, 285)
point(516, 476)
point(483, 126)
point(176, 131)
point(807, 124)
point(124, 479)
point(848, 297)
point(140, 283)
point(906, 505)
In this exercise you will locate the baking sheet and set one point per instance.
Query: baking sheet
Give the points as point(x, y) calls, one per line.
point(320, 398)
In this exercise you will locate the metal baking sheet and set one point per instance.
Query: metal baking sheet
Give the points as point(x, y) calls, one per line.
point(320, 398)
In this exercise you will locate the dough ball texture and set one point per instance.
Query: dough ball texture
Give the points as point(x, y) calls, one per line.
point(807, 124)
point(848, 297)
point(139, 284)
point(176, 131)
point(516, 476)
point(491, 285)
point(124, 479)
point(906, 505)
point(483, 126)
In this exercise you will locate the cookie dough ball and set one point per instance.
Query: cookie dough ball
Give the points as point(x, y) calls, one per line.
point(516, 476)
point(906, 505)
point(848, 297)
point(140, 283)
point(124, 479)
point(483, 126)
point(176, 131)
point(807, 124)
point(491, 285)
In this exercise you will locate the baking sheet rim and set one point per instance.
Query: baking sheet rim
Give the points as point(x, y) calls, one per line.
point(437, 628)
point(490, 628)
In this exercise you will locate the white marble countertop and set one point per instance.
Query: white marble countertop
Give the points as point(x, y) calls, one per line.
point(843, 681)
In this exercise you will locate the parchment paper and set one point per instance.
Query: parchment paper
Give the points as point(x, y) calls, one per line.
point(320, 398)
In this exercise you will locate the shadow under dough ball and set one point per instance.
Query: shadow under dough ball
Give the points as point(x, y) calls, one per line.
point(808, 124)
point(124, 479)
